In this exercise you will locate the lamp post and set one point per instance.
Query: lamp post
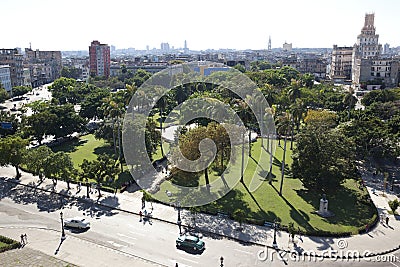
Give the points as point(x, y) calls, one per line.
point(222, 261)
point(275, 225)
point(179, 222)
point(62, 226)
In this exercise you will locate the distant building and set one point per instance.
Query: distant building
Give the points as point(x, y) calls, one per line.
point(287, 47)
point(27, 77)
point(368, 63)
point(14, 59)
point(341, 64)
point(5, 77)
point(165, 47)
point(99, 59)
point(44, 66)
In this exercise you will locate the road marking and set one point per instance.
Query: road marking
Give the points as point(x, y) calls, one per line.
point(243, 251)
point(115, 244)
point(136, 233)
point(189, 260)
point(131, 237)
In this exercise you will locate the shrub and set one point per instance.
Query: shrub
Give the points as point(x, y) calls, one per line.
point(394, 204)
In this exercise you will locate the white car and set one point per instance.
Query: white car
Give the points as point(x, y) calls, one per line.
point(80, 223)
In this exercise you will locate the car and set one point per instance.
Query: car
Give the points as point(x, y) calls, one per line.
point(190, 241)
point(77, 222)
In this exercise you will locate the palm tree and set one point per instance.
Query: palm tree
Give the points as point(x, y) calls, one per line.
point(350, 101)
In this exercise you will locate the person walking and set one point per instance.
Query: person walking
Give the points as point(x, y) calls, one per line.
point(387, 220)
point(22, 240)
point(140, 214)
point(25, 239)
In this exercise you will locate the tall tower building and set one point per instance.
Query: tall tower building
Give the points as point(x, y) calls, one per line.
point(269, 44)
point(99, 59)
point(367, 45)
point(369, 64)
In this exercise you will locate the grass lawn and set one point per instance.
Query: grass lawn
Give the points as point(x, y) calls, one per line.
point(86, 147)
point(297, 204)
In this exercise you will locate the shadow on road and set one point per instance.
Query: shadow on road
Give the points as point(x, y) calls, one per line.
point(52, 201)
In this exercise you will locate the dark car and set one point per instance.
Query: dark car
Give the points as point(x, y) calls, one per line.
point(190, 241)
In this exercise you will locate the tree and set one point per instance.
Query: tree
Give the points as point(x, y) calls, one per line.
point(239, 215)
point(12, 151)
point(71, 72)
point(36, 159)
point(323, 158)
point(58, 165)
point(21, 90)
point(103, 169)
point(40, 124)
point(394, 204)
point(3, 94)
point(349, 100)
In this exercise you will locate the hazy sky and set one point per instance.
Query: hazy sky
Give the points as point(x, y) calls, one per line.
point(214, 24)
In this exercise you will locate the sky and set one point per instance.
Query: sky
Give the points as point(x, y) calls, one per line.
point(205, 24)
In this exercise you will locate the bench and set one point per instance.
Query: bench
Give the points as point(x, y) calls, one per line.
point(222, 214)
point(269, 224)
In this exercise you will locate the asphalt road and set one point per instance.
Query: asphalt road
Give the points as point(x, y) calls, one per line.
point(154, 240)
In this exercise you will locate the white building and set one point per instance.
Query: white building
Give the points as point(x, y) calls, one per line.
point(5, 77)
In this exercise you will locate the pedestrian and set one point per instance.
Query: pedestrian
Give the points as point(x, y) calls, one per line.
point(366, 228)
point(26, 238)
point(140, 214)
point(387, 220)
point(176, 265)
point(292, 236)
point(22, 240)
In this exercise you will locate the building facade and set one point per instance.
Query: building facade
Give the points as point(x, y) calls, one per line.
point(14, 59)
point(44, 66)
point(5, 77)
point(368, 62)
point(341, 64)
point(99, 59)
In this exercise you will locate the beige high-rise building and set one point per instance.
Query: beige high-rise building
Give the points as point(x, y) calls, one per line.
point(342, 60)
point(368, 63)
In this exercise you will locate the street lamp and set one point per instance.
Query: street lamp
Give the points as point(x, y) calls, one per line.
point(222, 261)
point(179, 222)
point(275, 225)
point(62, 226)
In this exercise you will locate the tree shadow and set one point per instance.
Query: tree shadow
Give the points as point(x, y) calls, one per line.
point(106, 149)
point(349, 206)
point(288, 172)
point(298, 216)
point(69, 146)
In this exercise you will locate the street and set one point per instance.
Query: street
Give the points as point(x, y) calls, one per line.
point(120, 238)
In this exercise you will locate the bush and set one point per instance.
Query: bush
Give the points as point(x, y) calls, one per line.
point(11, 244)
point(394, 204)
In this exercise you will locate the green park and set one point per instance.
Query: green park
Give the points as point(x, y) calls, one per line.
point(326, 139)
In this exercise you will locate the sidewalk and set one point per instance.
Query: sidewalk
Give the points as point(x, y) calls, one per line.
point(380, 240)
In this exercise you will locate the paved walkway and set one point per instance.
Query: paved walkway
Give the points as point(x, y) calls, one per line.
point(29, 257)
point(381, 239)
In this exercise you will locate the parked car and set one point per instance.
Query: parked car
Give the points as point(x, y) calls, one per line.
point(80, 223)
point(190, 241)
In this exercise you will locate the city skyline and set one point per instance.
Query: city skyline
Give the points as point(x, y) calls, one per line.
point(72, 25)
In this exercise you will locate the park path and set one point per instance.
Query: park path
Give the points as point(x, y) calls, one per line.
point(381, 239)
